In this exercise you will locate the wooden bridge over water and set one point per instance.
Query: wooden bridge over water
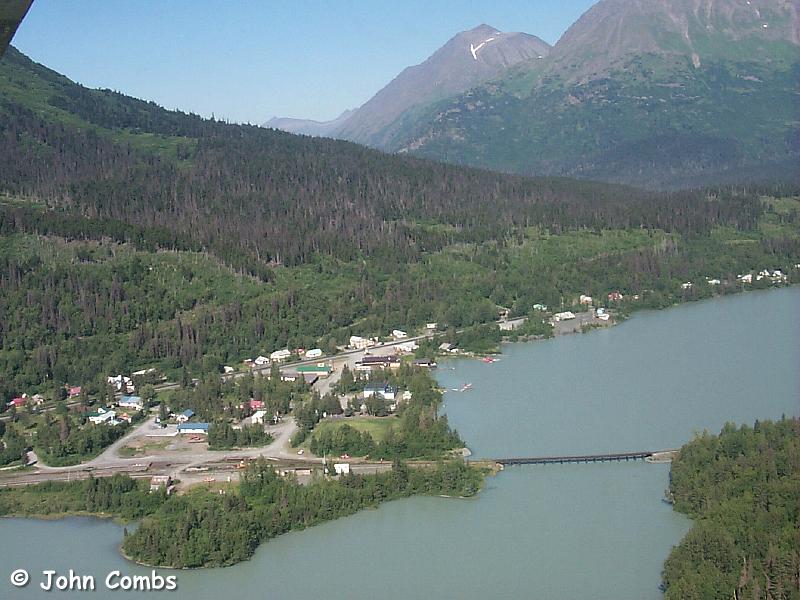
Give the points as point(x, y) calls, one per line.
point(656, 456)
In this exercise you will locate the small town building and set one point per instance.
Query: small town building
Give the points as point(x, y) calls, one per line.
point(431, 326)
point(540, 307)
point(686, 286)
point(426, 363)
point(102, 415)
point(255, 404)
point(359, 343)
point(384, 390)
point(399, 334)
point(134, 402)
point(74, 391)
point(280, 355)
point(564, 316)
point(201, 428)
point(19, 402)
point(320, 370)
point(257, 418)
point(714, 281)
point(228, 370)
point(377, 362)
point(615, 297)
point(158, 482)
point(407, 347)
point(341, 468)
point(586, 300)
point(509, 325)
point(122, 383)
point(143, 372)
point(445, 346)
point(313, 353)
point(185, 416)
point(261, 361)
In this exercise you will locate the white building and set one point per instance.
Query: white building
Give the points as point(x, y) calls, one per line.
point(314, 353)
point(103, 416)
point(228, 370)
point(714, 282)
point(143, 372)
point(134, 402)
point(257, 418)
point(341, 468)
point(359, 343)
point(399, 334)
point(686, 286)
point(407, 346)
point(586, 300)
point(540, 307)
point(280, 355)
point(122, 383)
point(431, 326)
point(261, 361)
point(564, 316)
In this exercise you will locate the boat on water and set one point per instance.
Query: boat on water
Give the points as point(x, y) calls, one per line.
point(466, 386)
point(488, 359)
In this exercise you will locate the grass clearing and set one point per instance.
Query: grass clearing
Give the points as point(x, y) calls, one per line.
point(377, 427)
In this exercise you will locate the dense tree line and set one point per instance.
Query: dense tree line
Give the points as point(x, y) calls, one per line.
point(117, 495)
point(200, 529)
point(13, 445)
point(222, 436)
point(742, 488)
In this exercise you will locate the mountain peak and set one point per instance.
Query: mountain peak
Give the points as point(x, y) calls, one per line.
point(467, 59)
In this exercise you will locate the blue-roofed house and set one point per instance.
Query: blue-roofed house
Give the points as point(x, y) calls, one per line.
point(134, 402)
point(201, 428)
point(185, 416)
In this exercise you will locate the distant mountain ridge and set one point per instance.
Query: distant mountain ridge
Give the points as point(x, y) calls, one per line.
point(309, 126)
point(657, 93)
point(466, 60)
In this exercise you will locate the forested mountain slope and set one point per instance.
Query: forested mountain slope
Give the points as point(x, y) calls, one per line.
point(133, 236)
point(242, 191)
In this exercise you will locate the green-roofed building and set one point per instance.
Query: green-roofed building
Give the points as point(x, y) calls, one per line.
point(319, 370)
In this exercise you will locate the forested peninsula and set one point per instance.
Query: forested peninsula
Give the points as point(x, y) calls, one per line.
point(742, 488)
point(202, 529)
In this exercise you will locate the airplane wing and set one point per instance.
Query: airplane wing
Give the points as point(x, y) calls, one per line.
point(11, 14)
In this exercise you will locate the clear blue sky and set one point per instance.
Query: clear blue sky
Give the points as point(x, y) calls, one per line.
point(249, 60)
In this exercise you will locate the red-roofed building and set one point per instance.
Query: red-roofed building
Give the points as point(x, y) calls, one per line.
point(74, 391)
point(18, 402)
point(256, 404)
point(615, 297)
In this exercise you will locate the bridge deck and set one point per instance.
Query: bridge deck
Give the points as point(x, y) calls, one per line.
point(583, 458)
